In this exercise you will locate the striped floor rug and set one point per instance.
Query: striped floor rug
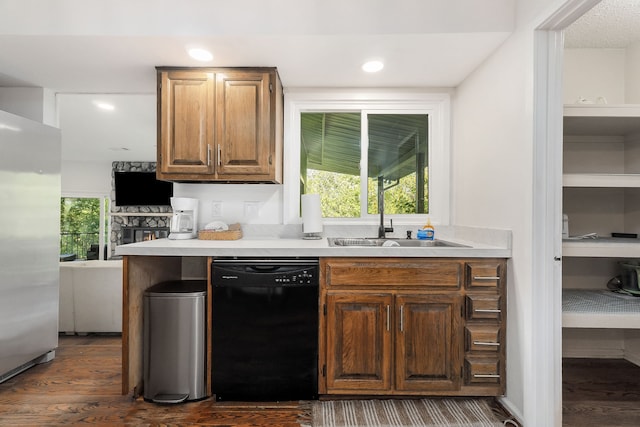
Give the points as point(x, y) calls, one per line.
point(396, 413)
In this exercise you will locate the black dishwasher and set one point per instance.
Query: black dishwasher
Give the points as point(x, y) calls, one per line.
point(264, 329)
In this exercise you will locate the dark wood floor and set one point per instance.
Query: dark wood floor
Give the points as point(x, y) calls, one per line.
point(82, 386)
point(600, 393)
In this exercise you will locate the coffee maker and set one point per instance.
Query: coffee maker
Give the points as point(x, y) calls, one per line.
point(184, 221)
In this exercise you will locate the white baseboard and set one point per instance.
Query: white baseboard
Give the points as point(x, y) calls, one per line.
point(513, 410)
point(602, 354)
point(594, 353)
point(47, 357)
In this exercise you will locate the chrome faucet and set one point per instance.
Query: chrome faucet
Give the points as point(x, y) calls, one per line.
point(382, 229)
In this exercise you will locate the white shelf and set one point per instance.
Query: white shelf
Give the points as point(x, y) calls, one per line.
point(582, 308)
point(597, 119)
point(601, 248)
point(609, 180)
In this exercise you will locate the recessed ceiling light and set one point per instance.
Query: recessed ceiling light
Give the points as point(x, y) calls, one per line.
point(104, 105)
point(200, 54)
point(372, 66)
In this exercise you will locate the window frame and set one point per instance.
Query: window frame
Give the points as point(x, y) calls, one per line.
point(104, 231)
point(369, 101)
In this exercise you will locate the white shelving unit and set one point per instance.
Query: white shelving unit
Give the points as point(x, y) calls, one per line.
point(601, 195)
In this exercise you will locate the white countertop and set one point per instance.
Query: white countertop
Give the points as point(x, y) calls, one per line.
point(485, 244)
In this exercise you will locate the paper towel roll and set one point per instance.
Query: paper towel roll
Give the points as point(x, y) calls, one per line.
point(311, 213)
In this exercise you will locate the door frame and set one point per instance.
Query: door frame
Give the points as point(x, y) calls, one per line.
point(544, 405)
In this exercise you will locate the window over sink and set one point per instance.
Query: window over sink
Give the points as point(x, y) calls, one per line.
point(349, 143)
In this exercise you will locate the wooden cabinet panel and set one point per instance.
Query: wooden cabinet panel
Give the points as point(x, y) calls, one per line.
point(185, 123)
point(482, 370)
point(401, 272)
point(243, 123)
point(358, 342)
point(484, 274)
point(483, 307)
point(484, 338)
point(428, 352)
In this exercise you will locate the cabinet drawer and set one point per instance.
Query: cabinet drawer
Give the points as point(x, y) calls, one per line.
point(393, 272)
point(485, 338)
point(485, 370)
point(483, 307)
point(484, 275)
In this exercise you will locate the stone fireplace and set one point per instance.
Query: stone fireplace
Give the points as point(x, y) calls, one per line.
point(131, 224)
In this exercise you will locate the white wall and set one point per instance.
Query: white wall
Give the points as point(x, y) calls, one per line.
point(492, 181)
point(86, 178)
point(632, 73)
point(243, 203)
point(609, 73)
point(594, 73)
point(34, 103)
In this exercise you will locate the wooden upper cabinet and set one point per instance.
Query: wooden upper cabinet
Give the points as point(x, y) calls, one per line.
point(220, 124)
point(242, 124)
point(185, 123)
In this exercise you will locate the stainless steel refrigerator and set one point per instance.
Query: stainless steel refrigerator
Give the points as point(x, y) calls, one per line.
point(30, 158)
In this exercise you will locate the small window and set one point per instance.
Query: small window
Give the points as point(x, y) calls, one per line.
point(358, 149)
point(395, 152)
point(83, 227)
point(397, 163)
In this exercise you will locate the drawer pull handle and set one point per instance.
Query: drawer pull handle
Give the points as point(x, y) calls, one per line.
point(486, 277)
point(402, 318)
point(486, 376)
point(219, 156)
point(208, 154)
point(487, 310)
point(388, 316)
point(493, 344)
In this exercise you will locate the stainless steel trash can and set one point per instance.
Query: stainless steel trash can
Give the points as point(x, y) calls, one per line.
point(174, 341)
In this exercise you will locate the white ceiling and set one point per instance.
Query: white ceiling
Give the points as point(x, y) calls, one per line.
point(77, 48)
point(611, 24)
point(108, 50)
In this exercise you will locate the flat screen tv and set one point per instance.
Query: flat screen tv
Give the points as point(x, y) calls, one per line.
point(141, 189)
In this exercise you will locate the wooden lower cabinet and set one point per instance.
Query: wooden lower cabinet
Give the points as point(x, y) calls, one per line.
point(387, 336)
point(427, 341)
point(359, 341)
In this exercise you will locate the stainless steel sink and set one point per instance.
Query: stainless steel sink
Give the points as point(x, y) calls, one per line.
point(391, 242)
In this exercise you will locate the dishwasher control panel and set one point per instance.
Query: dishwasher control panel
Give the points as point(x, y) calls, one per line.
point(241, 272)
point(302, 277)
